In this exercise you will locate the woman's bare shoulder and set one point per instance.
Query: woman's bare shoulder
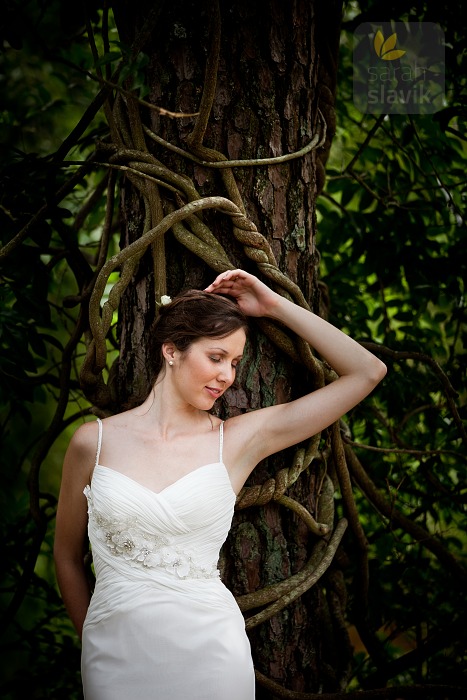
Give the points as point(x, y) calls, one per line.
point(242, 431)
point(88, 433)
point(80, 455)
point(85, 438)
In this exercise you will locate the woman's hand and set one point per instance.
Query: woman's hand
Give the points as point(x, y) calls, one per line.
point(253, 297)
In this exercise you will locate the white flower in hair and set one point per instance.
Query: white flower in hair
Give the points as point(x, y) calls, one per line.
point(165, 300)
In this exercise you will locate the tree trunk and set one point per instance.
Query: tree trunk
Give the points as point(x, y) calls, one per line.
point(275, 76)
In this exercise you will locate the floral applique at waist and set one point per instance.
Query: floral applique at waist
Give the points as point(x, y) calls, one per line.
point(128, 540)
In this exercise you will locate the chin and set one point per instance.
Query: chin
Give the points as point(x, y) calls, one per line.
point(205, 404)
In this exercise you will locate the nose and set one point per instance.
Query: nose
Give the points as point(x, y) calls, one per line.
point(226, 374)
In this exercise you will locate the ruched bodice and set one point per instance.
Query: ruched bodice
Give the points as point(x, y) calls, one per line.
point(179, 530)
point(159, 604)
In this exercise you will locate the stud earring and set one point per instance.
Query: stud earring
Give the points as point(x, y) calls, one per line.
point(171, 363)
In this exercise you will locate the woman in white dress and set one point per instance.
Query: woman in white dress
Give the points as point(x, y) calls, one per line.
point(154, 487)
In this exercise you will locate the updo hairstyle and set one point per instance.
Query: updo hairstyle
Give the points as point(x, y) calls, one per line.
point(190, 316)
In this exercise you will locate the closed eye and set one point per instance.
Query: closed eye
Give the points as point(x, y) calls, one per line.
point(218, 359)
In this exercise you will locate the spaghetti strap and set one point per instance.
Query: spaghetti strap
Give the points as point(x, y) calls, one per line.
point(221, 440)
point(99, 442)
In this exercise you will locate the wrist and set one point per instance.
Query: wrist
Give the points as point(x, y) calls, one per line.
point(279, 308)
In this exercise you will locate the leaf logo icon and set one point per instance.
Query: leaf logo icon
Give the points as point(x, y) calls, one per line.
point(385, 48)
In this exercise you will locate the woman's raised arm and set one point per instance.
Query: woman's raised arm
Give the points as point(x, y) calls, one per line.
point(358, 370)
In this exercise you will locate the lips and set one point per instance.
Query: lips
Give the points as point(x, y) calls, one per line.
point(215, 393)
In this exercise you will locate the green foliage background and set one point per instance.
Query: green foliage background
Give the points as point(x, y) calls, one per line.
point(392, 243)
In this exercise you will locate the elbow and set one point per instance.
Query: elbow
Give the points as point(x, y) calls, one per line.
point(378, 371)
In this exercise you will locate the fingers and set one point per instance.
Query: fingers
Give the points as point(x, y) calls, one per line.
point(226, 280)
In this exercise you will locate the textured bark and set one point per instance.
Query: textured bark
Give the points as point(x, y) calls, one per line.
point(277, 67)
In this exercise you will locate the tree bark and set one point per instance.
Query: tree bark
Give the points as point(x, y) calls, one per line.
point(276, 75)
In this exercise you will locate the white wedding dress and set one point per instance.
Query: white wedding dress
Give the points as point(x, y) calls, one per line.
point(161, 624)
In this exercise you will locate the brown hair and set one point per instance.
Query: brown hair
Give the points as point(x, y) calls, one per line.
point(190, 316)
